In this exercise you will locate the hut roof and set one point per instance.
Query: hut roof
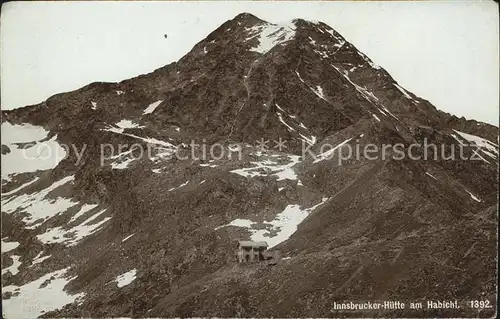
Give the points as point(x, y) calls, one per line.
point(250, 243)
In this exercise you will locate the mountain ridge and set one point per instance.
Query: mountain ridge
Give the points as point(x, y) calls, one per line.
point(486, 130)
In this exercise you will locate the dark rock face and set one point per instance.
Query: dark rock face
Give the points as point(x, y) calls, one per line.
point(5, 149)
point(409, 230)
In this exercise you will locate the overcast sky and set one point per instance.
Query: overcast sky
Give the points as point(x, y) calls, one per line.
point(446, 52)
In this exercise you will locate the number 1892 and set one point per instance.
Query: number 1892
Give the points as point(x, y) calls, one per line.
point(479, 304)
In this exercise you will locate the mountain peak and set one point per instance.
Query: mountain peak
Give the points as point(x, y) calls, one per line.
point(247, 18)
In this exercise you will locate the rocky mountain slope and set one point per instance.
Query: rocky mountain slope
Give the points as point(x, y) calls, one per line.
point(92, 226)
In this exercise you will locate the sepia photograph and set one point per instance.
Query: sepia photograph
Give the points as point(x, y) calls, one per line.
point(249, 159)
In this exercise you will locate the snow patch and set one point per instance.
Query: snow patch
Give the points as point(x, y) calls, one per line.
point(267, 167)
point(125, 124)
point(235, 148)
point(208, 165)
point(479, 141)
point(123, 164)
point(122, 160)
point(9, 245)
point(152, 107)
point(85, 208)
point(457, 139)
point(300, 78)
point(477, 199)
point(329, 154)
point(383, 106)
point(30, 151)
point(33, 299)
point(237, 223)
point(429, 174)
point(270, 35)
point(181, 185)
point(319, 92)
point(72, 236)
point(311, 141)
point(20, 187)
point(38, 259)
point(14, 268)
point(168, 147)
point(403, 91)
point(367, 95)
point(280, 228)
point(284, 123)
point(488, 153)
point(37, 206)
point(127, 238)
point(126, 278)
